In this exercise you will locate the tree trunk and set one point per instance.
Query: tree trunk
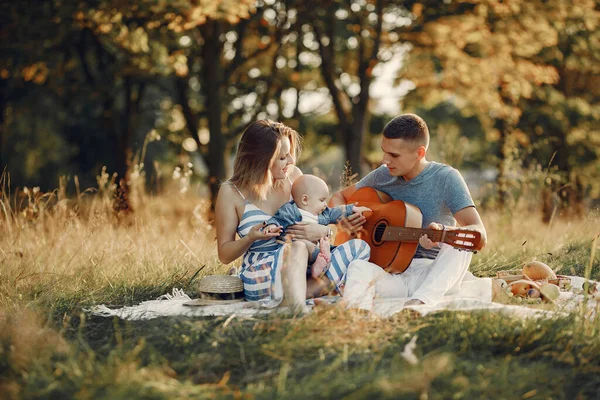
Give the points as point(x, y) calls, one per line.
point(502, 179)
point(354, 144)
point(123, 144)
point(571, 189)
point(572, 194)
point(576, 197)
point(3, 103)
point(212, 78)
point(191, 120)
point(352, 122)
point(360, 110)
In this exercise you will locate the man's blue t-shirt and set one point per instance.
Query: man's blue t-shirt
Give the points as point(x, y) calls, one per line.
point(439, 191)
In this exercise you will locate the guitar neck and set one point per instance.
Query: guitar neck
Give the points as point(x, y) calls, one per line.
point(402, 234)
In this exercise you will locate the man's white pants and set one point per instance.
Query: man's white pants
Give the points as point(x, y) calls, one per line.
point(424, 279)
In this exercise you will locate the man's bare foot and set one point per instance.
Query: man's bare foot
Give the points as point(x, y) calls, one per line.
point(414, 302)
point(321, 264)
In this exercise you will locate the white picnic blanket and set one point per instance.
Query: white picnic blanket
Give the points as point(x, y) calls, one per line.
point(474, 298)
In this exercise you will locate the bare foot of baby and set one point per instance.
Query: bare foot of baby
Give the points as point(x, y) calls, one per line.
point(323, 259)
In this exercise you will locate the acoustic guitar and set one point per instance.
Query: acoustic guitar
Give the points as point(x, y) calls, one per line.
point(393, 230)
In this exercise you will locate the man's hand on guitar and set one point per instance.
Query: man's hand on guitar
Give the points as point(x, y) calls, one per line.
point(424, 240)
point(354, 222)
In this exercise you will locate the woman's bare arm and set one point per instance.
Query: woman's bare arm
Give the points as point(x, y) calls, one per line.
point(306, 231)
point(226, 223)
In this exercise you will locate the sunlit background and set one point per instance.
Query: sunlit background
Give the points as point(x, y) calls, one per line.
point(155, 94)
point(152, 89)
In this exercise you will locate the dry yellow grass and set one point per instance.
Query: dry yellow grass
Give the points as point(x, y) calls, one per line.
point(74, 246)
point(63, 254)
point(522, 236)
point(52, 246)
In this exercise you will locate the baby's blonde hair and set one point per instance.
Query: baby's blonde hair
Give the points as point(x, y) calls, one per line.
point(304, 184)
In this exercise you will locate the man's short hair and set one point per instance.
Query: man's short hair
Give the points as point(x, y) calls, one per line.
point(409, 127)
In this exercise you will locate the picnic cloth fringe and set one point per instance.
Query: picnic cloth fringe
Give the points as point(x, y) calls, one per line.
point(172, 304)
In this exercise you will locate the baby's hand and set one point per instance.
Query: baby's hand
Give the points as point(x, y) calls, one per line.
point(272, 229)
point(360, 209)
point(260, 232)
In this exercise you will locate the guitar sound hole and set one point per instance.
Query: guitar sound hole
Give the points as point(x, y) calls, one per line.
point(378, 232)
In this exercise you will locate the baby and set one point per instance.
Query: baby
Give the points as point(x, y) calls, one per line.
point(310, 194)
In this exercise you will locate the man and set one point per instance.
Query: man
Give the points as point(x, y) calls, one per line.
point(444, 199)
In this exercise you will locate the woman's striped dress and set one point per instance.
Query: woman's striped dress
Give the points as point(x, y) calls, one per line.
point(261, 264)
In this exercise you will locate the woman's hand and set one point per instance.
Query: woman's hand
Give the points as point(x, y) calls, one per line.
point(424, 240)
point(257, 232)
point(306, 231)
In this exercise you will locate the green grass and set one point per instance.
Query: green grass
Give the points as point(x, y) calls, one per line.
point(51, 270)
point(328, 354)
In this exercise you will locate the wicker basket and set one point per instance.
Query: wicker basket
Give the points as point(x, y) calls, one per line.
point(563, 282)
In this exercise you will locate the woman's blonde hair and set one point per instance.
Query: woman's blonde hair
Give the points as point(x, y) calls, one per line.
point(256, 152)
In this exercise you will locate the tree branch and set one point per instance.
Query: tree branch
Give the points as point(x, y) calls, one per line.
point(80, 47)
point(269, 81)
point(265, 97)
point(298, 69)
point(366, 64)
point(239, 59)
point(328, 71)
point(192, 122)
point(378, 30)
point(140, 93)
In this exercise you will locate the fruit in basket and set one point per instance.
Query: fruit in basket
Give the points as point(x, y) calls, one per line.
point(521, 287)
point(550, 291)
point(532, 290)
point(538, 270)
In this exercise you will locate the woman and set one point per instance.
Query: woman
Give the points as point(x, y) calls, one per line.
point(263, 173)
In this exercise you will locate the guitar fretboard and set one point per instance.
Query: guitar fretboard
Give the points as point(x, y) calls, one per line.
point(396, 233)
point(459, 238)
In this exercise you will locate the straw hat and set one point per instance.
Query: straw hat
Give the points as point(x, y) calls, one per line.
point(220, 284)
point(218, 290)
